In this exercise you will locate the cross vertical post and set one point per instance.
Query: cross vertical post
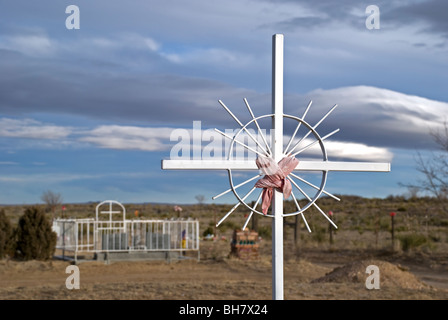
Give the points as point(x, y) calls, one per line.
point(277, 147)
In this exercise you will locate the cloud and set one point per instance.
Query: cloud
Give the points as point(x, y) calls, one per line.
point(376, 116)
point(155, 139)
point(348, 151)
point(169, 67)
point(367, 115)
point(430, 14)
point(33, 42)
point(65, 177)
point(129, 138)
point(31, 129)
point(160, 139)
point(8, 163)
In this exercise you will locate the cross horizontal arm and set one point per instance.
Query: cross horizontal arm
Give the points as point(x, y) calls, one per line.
point(251, 165)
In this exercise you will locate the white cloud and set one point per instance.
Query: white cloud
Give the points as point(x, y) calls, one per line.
point(128, 137)
point(348, 150)
point(160, 139)
point(211, 56)
point(8, 163)
point(379, 116)
point(31, 129)
point(67, 177)
point(151, 44)
point(29, 44)
point(370, 120)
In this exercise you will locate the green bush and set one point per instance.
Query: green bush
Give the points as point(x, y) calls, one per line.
point(208, 231)
point(265, 232)
point(228, 225)
point(6, 236)
point(411, 241)
point(319, 234)
point(35, 238)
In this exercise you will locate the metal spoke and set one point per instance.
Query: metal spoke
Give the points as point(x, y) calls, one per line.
point(252, 211)
point(244, 128)
point(313, 143)
point(314, 186)
point(297, 128)
point(241, 143)
point(315, 126)
point(234, 207)
point(237, 186)
point(314, 204)
point(258, 126)
point(301, 213)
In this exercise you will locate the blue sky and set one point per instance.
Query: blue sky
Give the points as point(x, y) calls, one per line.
point(88, 112)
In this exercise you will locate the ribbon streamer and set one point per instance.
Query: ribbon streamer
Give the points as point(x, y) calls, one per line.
point(275, 178)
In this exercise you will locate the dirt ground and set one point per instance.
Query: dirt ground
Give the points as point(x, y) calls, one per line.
point(315, 274)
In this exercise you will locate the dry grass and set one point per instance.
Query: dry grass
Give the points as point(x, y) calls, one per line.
point(314, 268)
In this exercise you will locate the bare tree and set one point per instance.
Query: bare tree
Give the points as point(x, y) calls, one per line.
point(434, 168)
point(435, 172)
point(200, 198)
point(441, 137)
point(52, 200)
point(413, 192)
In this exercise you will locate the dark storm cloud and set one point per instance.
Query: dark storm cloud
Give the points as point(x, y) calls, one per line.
point(432, 13)
point(311, 14)
point(150, 98)
point(130, 78)
point(369, 115)
point(429, 15)
point(301, 22)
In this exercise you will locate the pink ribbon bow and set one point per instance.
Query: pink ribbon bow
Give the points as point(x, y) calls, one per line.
point(275, 177)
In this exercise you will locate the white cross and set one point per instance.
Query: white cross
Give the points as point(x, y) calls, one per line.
point(277, 155)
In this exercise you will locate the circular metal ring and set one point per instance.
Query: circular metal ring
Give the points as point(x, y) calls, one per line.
point(324, 173)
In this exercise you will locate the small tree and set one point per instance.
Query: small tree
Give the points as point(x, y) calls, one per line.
point(434, 169)
point(200, 198)
point(6, 235)
point(35, 238)
point(52, 200)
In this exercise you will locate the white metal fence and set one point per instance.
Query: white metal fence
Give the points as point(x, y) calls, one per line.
point(90, 235)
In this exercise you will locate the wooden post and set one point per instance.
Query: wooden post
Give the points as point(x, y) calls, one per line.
point(392, 215)
point(296, 231)
point(330, 227)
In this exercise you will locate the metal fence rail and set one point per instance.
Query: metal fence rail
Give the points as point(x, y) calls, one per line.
point(90, 235)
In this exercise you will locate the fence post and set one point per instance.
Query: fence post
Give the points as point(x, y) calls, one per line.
point(392, 215)
point(63, 240)
point(330, 214)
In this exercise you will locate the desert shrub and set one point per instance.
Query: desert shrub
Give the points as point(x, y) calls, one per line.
point(319, 234)
point(401, 228)
point(6, 236)
point(265, 232)
point(35, 238)
point(412, 241)
point(384, 224)
point(439, 222)
point(208, 231)
point(227, 224)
